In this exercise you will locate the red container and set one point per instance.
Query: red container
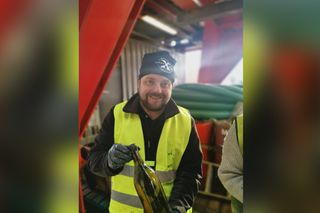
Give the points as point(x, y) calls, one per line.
point(204, 129)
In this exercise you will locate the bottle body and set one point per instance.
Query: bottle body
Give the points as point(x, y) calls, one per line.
point(148, 186)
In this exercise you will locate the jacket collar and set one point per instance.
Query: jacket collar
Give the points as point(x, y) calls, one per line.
point(133, 106)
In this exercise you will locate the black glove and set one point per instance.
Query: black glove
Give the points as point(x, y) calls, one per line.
point(118, 155)
point(177, 209)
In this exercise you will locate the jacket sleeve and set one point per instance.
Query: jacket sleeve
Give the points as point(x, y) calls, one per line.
point(230, 171)
point(189, 174)
point(97, 159)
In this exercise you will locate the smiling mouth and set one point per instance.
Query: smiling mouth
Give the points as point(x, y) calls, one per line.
point(155, 97)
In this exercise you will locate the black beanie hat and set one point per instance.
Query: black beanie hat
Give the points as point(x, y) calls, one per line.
point(160, 63)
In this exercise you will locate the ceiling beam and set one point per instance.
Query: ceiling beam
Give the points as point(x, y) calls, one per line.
point(170, 6)
point(168, 14)
point(176, 25)
point(213, 10)
point(185, 4)
point(162, 10)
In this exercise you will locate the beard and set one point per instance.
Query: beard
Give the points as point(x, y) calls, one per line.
point(147, 102)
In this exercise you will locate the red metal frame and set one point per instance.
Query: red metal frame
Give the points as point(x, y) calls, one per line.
point(104, 31)
point(83, 6)
point(105, 27)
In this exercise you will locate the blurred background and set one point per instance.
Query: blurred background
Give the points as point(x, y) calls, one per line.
point(39, 106)
point(64, 64)
point(281, 89)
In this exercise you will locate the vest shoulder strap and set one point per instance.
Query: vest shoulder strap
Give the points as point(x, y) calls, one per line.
point(239, 130)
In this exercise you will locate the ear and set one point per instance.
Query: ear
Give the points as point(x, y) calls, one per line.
point(138, 83)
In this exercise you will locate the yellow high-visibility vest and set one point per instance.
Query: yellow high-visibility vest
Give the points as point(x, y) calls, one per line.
point(172, 144)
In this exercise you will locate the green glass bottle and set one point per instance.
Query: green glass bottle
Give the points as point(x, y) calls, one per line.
point(148, 186)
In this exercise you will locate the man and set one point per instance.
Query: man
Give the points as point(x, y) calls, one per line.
point(230, 171)
point(164, 132)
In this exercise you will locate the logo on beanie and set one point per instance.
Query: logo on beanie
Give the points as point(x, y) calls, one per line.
point(164, 65)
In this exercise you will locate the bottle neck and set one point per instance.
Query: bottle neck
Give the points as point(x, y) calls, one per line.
point(136, 157)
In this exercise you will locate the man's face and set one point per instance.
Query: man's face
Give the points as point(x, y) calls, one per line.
point(154, 91)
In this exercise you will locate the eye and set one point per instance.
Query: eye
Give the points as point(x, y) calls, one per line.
point(165, 84)
point(149, 82)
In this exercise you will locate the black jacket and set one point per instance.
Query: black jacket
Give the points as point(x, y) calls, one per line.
point(189, 173)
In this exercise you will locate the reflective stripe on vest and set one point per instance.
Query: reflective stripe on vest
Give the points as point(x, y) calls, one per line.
point(172, 144)
point(131, 200)
point(164, 176)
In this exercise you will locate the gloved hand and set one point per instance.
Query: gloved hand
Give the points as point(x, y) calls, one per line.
point(175, 209)
point(118, 155)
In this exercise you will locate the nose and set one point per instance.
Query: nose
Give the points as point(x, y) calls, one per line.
point(157, 88)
